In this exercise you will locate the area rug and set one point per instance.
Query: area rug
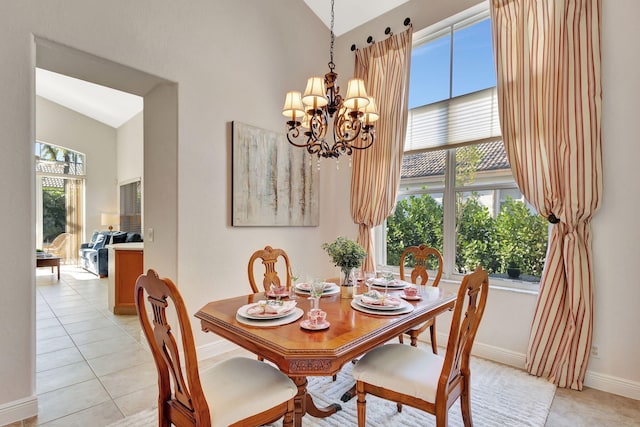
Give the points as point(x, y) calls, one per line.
point(500, 396)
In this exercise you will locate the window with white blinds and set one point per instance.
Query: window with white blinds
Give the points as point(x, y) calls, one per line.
point(457, 193)
point(455, 121)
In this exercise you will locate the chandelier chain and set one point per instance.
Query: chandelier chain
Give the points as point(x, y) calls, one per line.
point(331, 64)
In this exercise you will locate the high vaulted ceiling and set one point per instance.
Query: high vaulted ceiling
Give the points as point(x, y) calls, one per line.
point(109, 106)
point(349, 14)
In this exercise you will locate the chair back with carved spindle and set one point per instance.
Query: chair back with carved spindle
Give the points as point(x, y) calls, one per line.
point(186, 403)
point(270, 257)
point(421, 255)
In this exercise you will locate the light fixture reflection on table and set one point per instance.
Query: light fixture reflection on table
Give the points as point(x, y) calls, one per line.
point(110, 219)
point(309, 114)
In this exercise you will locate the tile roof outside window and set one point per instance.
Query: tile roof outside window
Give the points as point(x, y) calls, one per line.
point(432, 163)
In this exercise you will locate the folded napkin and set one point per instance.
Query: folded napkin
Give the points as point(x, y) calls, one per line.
point(376, 298)
point(271, 307)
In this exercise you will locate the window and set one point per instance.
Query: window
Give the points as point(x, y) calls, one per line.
point(60, 177)
point(131, 207)
point(457, 193)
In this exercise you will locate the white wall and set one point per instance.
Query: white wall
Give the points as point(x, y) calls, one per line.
point(130, 152)
point(615, 233)
point(234, 60)
point(58, 125)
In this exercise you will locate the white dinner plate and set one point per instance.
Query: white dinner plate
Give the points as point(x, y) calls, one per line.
point(242, 311)
point(291, 317)
point(394, 285)
point(404, 309)
point(304, 286)
point(330, 290)
point(359, 301)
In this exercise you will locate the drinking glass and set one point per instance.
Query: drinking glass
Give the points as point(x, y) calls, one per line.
point(294, 280)
point(317, 287)
point(368, 279)
point(357, 279)
point(315, 292)
point(388, 277)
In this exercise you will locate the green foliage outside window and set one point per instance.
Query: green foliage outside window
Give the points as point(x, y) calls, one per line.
point(476, 241)
point(515, 236)
point(416, 220)
point(523, 238)
point(53, 213)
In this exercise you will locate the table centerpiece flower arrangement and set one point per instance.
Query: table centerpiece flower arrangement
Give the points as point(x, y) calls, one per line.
point(346, 254)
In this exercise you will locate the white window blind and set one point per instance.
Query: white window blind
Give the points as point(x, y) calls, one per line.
point(456, 121)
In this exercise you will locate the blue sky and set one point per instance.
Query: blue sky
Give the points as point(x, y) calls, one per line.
point(473, 65)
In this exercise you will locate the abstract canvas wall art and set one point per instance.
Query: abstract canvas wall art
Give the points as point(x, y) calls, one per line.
point(274, 184)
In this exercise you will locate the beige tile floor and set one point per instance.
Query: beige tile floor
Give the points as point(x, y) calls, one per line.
point(92, 368)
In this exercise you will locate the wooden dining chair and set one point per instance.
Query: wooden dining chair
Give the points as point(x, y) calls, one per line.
point(238, 391)
point(269, 257)
point(420, 276)
point(418, 378)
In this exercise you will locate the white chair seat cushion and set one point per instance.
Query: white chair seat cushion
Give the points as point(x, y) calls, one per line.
point(401, 368)
point(239, 387)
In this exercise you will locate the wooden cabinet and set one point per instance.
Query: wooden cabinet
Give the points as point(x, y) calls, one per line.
point(125, 265)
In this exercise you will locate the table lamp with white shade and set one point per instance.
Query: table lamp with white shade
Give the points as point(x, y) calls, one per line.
point(110, 219)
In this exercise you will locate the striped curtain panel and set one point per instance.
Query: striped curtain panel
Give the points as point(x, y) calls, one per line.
point(74, 222)
point(375, 175)
point(550, 103)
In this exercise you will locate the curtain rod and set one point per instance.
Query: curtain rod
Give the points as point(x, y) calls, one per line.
point(387, 31)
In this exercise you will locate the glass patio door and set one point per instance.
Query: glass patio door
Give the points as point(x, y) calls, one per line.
point(59, 199)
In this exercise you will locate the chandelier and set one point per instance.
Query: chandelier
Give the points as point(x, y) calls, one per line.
point(310, 114)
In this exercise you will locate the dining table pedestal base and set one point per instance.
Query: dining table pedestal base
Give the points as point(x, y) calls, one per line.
point(305, 405)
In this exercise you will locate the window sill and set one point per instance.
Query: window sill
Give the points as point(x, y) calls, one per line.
point(501, 283)
point(509, 285)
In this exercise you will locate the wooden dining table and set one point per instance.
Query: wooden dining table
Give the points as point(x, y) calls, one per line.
point(300, 353)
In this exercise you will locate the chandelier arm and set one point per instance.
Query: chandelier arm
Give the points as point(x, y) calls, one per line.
point(347, 129)
point(293, 133)
point(310, 145)
point(292, 142)
point(318, 124)
point(368, 134)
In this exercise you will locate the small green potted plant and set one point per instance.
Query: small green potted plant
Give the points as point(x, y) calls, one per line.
point(346, 254)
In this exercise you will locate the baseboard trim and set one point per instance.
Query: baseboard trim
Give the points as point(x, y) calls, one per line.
point(500, 355)
point(602, 382)
point(493, 353)
point(611, 384)
point(215, 348)
point(18, 410)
